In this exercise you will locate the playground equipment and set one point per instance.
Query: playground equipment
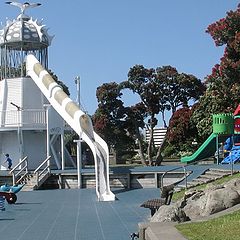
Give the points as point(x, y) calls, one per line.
point(77, 120)
point(222, 129)
point(226, 129)
point(232, 145)
point(9, 193)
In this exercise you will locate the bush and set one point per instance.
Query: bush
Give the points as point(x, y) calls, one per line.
point(169, 151)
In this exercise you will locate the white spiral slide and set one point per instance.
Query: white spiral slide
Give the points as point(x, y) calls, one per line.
point(78, 121)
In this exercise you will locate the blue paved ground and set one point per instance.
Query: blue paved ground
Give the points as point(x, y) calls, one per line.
point(74, 214)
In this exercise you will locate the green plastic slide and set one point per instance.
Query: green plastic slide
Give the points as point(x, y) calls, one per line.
point(207, 149)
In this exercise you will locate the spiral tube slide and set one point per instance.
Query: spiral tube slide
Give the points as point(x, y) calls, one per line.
point(77, 120)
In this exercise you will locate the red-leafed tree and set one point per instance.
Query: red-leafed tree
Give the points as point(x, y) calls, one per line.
point(223, 85)
point(181, 132)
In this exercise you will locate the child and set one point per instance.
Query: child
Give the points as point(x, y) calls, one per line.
point(9, 161)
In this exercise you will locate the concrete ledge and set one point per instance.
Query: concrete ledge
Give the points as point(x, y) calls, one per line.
point(142, 228)
point(156, 231)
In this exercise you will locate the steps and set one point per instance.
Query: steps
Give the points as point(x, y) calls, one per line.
point(30, 182)
point(208, 176)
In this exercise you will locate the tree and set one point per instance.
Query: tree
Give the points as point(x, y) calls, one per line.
point(223, 86)
point(135, 116)
point(178, 88)
point(143, 81)
point(181, 132)
point(109, 118)
point(160, 90)
point(64, 87)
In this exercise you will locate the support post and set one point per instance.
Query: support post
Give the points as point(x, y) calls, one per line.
point(79, 162)
point(48, 136)
point(62, 150)
point(217, 147)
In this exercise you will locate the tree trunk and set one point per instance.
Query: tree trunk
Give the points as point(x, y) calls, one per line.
point(159, 157)
point(140, 145)
point(149, 150)
point(164, 121)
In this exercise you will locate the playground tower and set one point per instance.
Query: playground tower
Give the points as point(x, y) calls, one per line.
point(23, 108)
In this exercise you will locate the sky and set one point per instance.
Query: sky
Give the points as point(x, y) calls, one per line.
point(100, 40)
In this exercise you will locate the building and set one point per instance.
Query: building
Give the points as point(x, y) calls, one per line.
point(158, 135)
point(23, 108)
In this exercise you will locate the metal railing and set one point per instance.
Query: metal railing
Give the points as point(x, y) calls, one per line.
point(23, 118)
point(20, 170)
point(42, 170)
point(174, 169)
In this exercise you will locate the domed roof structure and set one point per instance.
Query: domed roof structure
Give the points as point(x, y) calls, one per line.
point(31, 34)
point(20, 37)
point(26, 34)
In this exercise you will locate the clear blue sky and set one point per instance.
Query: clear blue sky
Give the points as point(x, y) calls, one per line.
point(102, 40)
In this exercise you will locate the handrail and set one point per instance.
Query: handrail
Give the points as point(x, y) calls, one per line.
point(184, 170)
point(39, 173)
point(174, 169)
point(20, 163)
point(36, 170)
point(14, 175)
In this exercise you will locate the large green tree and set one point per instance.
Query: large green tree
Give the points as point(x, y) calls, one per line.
point(178, 88)
point(223, 85)
point(134, 123)
point(109, 118)
point(160, 90)
point(144, 82)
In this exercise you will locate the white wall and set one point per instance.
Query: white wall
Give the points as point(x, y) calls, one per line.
point(9, 144)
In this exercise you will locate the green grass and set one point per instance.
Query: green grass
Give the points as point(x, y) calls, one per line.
point(223, 228)
point(180, 194)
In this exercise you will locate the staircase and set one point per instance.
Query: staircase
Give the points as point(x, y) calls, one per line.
point(31, 181)
point(208, 176)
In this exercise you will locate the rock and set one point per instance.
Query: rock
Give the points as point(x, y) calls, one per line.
point(165, 213)
point(170, 213)
point(195, 207)
point(199, 203)
point(220, 199)
point(233, 184)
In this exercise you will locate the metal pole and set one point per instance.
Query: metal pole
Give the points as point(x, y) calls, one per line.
point(217, 147)
point(231, 162)
point(77, 82)
point(79, 162)
point(79, 148)
point(19, 130)
point(62, 150)
point(233, 143)
point(48, 137)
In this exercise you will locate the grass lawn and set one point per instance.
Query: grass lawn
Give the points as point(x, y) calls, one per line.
point(223, 228)
point(179, 195)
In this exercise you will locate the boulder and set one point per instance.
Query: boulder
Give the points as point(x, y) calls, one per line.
point(200, 203)
point(220, 199)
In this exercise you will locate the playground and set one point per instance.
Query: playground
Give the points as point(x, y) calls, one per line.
point(100, 210)
point(74, 214)
point(224, 141)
